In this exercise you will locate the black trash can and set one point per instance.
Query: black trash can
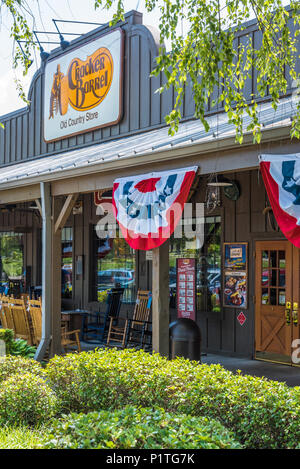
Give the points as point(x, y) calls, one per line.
point(185, 339)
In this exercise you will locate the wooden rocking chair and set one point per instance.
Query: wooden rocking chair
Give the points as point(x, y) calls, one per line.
point(35, 314)
point(96, 329)
point(134, 329)
point(6, 318)
point(35, 311)
point(21, 320)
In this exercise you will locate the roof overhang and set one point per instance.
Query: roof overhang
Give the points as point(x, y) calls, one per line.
point(96, 167)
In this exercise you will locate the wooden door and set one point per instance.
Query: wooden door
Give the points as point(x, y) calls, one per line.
point(295, 308)
point(274, 287)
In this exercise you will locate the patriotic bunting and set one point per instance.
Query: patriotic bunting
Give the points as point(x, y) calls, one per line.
point(148, 207)
point(281, 175)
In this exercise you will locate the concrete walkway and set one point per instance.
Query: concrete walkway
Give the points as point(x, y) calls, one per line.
point(284, 373)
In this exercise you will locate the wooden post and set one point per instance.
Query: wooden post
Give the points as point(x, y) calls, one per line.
point(160, 299)
point(56, 281)
point(46, 271)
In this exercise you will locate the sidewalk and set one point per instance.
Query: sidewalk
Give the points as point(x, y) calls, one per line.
point(284, 373)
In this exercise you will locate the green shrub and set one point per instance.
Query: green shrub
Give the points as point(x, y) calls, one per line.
point(261, 413)
point(26, 399)
point(138, 428)
point(7, 335)
point(11, 365)
point(18, 347)
point(106, 379)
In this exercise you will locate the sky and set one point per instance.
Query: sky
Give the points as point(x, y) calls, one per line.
point(44, 11)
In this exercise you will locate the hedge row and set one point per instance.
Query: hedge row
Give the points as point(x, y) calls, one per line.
point(261, 413)
point(137, 428)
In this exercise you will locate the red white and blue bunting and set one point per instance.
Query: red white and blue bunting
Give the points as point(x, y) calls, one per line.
point(281, 175)
point(148, 207)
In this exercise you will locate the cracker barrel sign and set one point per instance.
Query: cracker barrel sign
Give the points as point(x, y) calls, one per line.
point(83, 88)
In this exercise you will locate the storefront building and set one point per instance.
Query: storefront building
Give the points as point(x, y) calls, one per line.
point(95, 117)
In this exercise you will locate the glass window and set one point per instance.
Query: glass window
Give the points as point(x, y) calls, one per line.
point(273, 278)
point(66, 261)
point(113, 263)
point(11, 262)
point(208, 259)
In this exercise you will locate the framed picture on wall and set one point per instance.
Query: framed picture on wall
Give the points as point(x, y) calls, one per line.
point(235, 275)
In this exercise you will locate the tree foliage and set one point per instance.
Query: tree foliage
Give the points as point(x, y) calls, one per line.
point(208, 56)
point(20, 12)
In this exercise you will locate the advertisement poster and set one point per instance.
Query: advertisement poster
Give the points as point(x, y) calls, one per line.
point(83, 88)
point(235, 279)
point(186, 288)
point(235, 292)
point(235, 256)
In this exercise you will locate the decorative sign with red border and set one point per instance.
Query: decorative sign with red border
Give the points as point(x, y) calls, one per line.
point(99, 200)
point(186, 288)
point(241, 318)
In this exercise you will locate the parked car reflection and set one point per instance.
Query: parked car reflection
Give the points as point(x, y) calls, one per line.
point(109, 278)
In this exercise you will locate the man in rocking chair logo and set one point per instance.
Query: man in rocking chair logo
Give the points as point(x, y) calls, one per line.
point(55, 93)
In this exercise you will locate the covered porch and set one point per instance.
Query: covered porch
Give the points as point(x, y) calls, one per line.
point(61, 189)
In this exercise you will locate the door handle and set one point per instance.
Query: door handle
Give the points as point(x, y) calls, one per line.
point(295, 313)
point(287, 312)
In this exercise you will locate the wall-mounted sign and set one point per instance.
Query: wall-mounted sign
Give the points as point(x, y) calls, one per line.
point(186, 288)
point(241, 318)
point(102, 197)
point(235, 277)
point(83, 88)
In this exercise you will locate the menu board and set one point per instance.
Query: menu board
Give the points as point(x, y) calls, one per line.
point(235, 280)
point(186, 288)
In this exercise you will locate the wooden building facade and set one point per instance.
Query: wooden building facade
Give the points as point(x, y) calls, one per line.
point(47, 196)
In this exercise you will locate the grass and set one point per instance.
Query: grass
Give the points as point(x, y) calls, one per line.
point(21, 437)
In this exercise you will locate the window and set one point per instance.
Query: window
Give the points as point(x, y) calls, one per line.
point(113, 262)
point(67, 262)
point(11, 262)
point(208, 259)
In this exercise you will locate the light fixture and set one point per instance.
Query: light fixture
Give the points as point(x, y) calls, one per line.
point(219, 181)
point(63, 43)
point(43, 54)
point(213, 198)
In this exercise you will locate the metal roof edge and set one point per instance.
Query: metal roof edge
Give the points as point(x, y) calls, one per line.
point(216, 144)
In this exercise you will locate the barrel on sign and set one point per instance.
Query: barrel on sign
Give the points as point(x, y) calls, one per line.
point(185, 339)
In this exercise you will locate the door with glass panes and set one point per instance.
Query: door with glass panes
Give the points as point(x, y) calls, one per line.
point(276, 300)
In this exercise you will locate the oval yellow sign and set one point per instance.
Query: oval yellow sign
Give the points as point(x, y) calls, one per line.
point(89, 81)
point(85, 85)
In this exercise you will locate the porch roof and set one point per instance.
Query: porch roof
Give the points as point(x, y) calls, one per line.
point(190, 133)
